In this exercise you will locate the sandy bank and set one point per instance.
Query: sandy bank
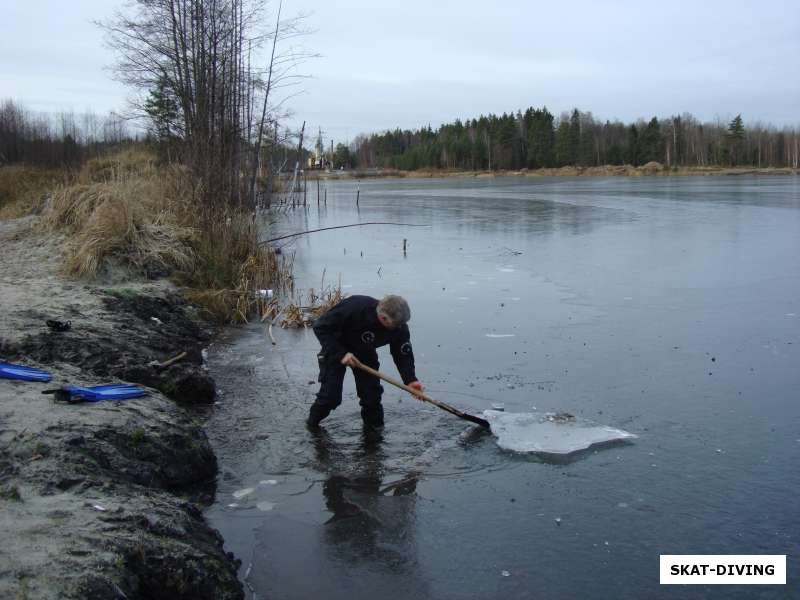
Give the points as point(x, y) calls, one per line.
point(101, 500)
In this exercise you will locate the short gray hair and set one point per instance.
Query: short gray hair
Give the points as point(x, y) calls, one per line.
point(395, 308)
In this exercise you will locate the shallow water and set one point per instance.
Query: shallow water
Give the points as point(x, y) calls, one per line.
point(667, 307)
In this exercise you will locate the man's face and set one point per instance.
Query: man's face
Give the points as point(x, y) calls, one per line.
point(386, 322)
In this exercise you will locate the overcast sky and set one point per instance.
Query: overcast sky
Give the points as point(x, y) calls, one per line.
point(413, 63)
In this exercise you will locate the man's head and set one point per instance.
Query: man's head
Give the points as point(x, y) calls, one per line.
point(393, 312)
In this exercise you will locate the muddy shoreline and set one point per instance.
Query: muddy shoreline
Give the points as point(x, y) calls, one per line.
point(103, 500)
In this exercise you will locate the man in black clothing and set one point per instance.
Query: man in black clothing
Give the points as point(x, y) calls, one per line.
point(354, 328)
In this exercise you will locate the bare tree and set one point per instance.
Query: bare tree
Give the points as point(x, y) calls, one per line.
point(191, 61)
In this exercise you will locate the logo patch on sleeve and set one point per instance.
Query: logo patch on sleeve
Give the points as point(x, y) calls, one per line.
point(405, 349)
point(368, 337)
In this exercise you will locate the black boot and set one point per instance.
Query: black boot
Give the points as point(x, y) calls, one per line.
point(315, 414)
point(372, 416)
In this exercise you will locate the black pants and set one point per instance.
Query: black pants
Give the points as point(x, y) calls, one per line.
point(331, 378)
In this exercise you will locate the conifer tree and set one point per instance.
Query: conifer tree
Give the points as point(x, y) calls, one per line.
point(632, 153)
point(574, 136)
point(563, 146)
point(541, 138)
point(734, 139)
point(650, 144)
point(163, 110)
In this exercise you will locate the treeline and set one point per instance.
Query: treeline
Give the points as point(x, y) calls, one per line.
point(62, 140)
point(536, 139)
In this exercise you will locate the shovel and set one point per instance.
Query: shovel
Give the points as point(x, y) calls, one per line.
point(421, 395)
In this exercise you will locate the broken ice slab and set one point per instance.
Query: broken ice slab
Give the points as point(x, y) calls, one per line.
point(238, 494)
point(550, 433)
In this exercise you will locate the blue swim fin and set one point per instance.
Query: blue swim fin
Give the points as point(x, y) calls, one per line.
point(11, 371)
point(74, 393)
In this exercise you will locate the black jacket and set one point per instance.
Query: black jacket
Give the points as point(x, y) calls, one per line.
point(353, 326)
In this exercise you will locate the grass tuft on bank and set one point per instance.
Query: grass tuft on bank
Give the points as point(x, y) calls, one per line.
point(137, 219)
point(126, 212)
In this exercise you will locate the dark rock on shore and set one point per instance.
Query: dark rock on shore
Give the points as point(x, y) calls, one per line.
point(140, 330)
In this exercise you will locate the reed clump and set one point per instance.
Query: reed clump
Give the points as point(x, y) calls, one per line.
point(135, 220)
point(233, 271)
point(128, 211)
point(311, 306)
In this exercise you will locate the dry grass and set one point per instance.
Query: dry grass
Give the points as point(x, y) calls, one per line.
point(133, 161)
point(136, 219)
point(232, 267)
point(126, 210)
point(23, 190)
point(311, 306)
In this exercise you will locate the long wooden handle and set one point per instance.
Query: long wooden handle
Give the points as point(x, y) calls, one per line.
point(394, 382)
point(419, 394)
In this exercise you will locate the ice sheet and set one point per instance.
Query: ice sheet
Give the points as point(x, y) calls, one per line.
point(549, 433)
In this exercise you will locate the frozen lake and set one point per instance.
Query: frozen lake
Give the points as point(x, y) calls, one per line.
point(667, 307)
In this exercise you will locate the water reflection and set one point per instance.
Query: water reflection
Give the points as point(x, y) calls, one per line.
point(372, 521)
point(365, 544)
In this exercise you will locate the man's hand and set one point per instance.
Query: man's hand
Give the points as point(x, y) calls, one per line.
point(349, 360)
point(417, 385)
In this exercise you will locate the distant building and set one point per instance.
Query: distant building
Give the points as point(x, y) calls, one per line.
point(317, 158)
